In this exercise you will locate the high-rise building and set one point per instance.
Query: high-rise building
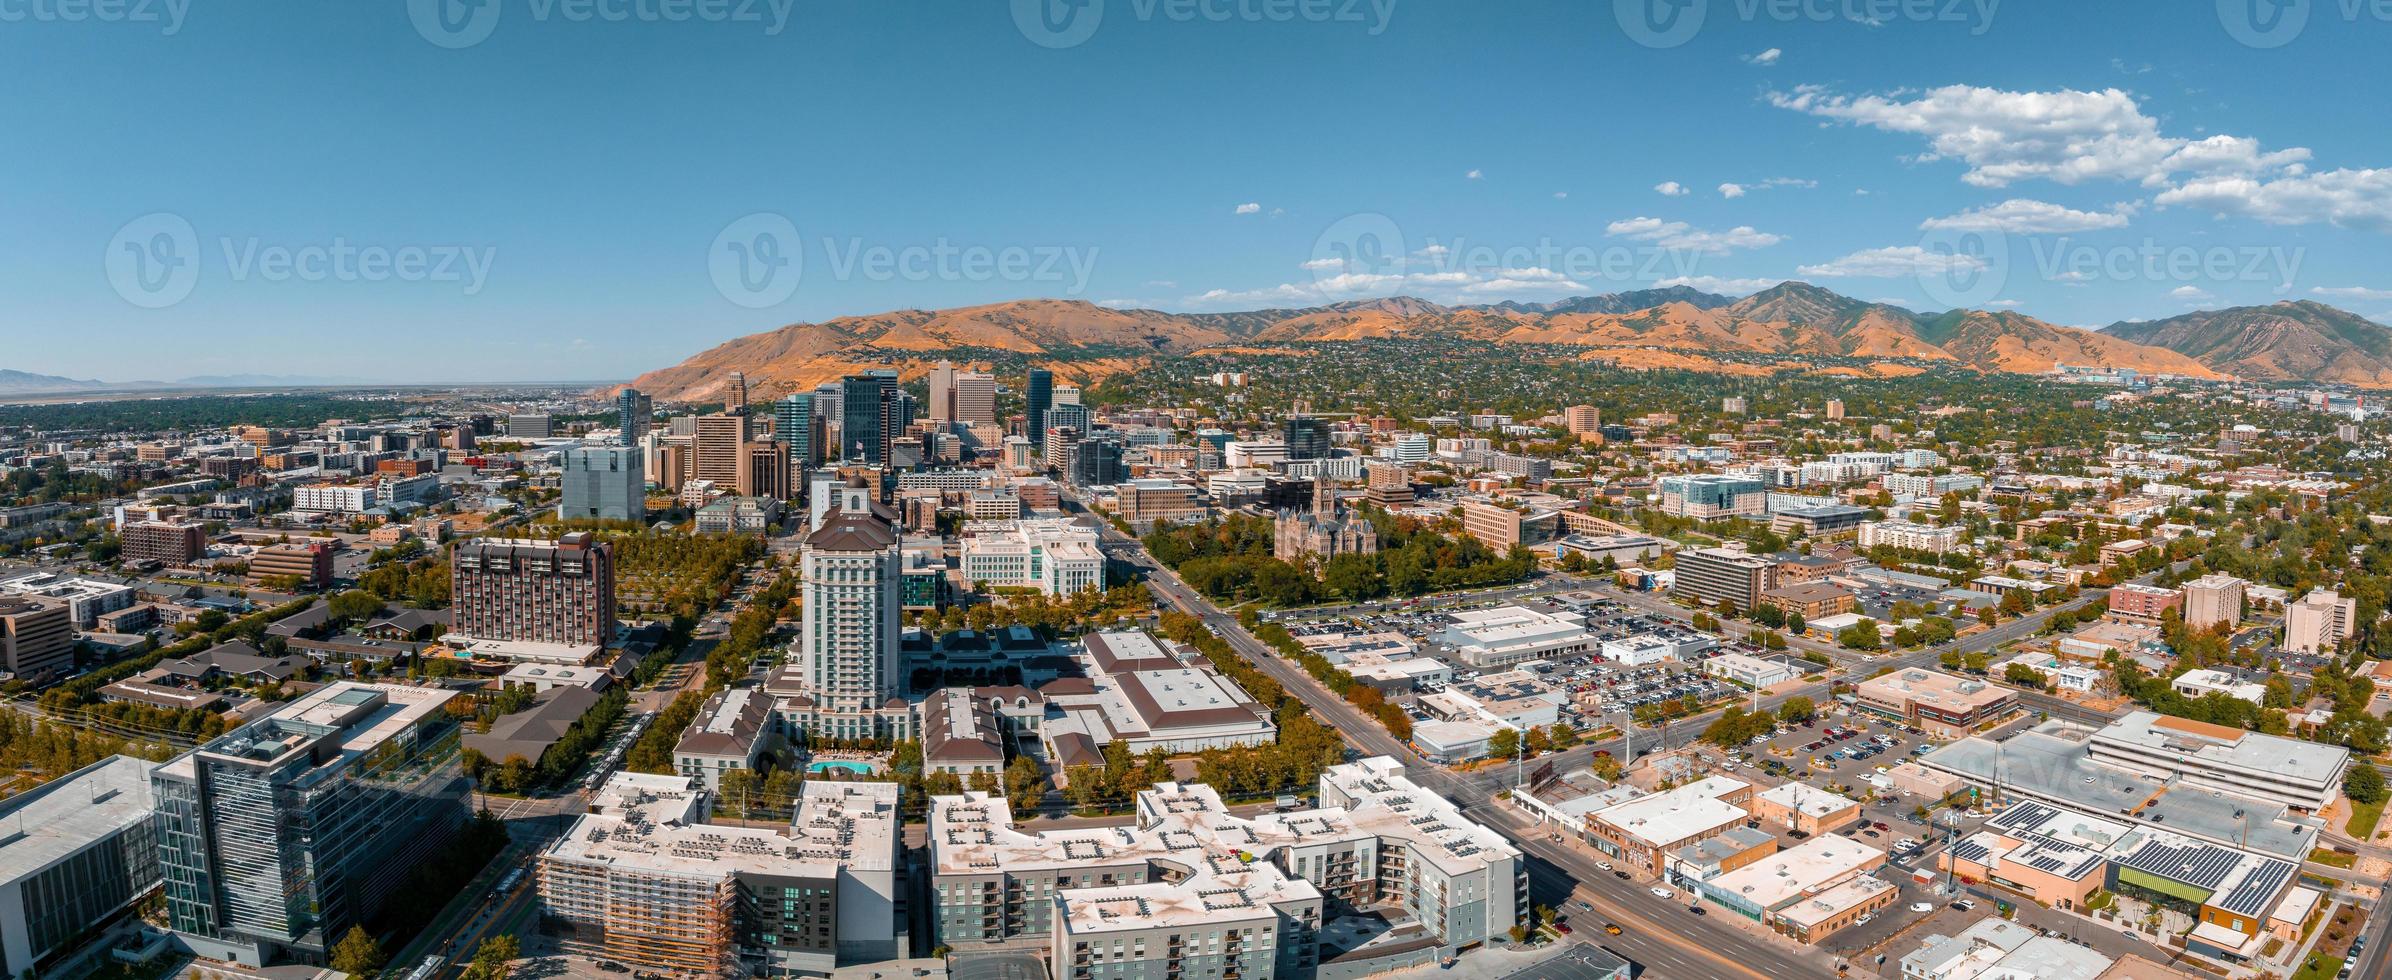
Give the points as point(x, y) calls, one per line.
point(277, 837)
point(848, 665)
point(1096, 461)
point(607, 483)
point(529, 591)
point(1583, 420)
point(769, 474)
point(1835, 409)
point(975, 400)
point(942, 392)
point(797, 427)
point(37, 637)
point(718, 451)
point(2319, 621)
point(2213, 599)
point(530, 425)
point(165, 542)
point(1714, 575)
point(735, 394)
point(869, 417)
point(633, 412)
point(1307, 437)
point(1038, 395)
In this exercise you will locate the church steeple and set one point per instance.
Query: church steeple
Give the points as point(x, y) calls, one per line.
point(1324, 497)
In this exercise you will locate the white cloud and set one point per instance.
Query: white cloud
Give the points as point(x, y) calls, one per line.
point(1731, 191)
point(2005, 303)
point(2344, 198)
point(1894, 262)
point(1450, 285)
point(1670, 188)
point(2352, 292)
point(1680, 236)
point(1797, 182)
point(1561, 195)
point(1162, 283)
point(1763, 59)
point(1474, 175)
point(1249, 208)
point(1431, 251)
point(2191, 294)
point(1318, 265)
point(1716, 284)
point(2066, 136)
point(2021, 216)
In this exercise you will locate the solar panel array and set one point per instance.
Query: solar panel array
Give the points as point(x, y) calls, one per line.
point(1970, 850)
point(2197, 864)
point(2257, 890)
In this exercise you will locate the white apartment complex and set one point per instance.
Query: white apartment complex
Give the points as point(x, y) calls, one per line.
point(1910, 536)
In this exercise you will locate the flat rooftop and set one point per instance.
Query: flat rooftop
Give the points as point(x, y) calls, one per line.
point(2228, 748)
point(1814, 866)
point(45, 825)
point(1806, 799)
point(1661, 819)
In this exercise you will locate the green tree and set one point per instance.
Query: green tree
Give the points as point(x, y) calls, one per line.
point(2364, 784)
point(357, 954)
point(1797, 709)
point(1504, 744)
point(1025, 784)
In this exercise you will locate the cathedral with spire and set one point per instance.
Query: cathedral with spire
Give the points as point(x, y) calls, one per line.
point(1324, 532)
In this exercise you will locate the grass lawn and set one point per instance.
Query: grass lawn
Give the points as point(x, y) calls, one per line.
point(2363, 817)
point(2339, 859)
point(2319, 968)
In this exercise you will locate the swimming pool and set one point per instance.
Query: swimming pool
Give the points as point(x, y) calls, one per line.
point(842, 764)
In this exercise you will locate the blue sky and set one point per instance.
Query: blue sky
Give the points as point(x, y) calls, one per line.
point(554, 194)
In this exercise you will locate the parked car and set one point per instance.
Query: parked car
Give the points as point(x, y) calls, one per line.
point(1660, 892)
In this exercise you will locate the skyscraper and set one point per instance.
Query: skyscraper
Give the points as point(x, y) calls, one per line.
point(797, 427)
point(1307, 437)
point(718, 452)
point(975, 398)
point(1040, 396)
point(848, 664)
point(276, 837)
point(633, 411)
point(735, 394)
point(942, 392)
point(861, 413)
point(1096, 461)
point(607, 483)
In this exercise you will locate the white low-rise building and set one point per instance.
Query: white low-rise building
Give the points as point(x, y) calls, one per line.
point(1055, 557)
point(1749, 671)
point(1514, 634)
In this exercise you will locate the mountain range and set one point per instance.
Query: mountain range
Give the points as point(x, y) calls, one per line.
point(1674, 326)
point(14, 382)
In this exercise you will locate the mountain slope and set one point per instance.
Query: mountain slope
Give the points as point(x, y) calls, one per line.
point(27, 381)
point(1088, 342)
point(1623, 302)
point(2289, 341)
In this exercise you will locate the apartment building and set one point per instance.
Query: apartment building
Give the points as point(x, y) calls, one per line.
point(2211, 600)
point(532, 591)
point(731, 731)
point(2143, 603)
point(2319, 622)
point(1711, 576)
point(642, 879)
point(1190, 889)
point(847, 668)
point(1054, 557)
point(336, 498)
point(169, 543)
point(1910, 536)
point(278, 836)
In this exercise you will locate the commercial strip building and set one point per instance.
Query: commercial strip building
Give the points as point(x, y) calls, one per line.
point(1055, 557)
point(1944, 704)
point(1191, 890)
point(79, 850)
point(1805, 808)
point(642, 879)
point(278, 836)
point(1805, 892)
point(1750, 671)
point(2000, 948)
point(1514, 634)
point(1710, 576)
point(1647, 829)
